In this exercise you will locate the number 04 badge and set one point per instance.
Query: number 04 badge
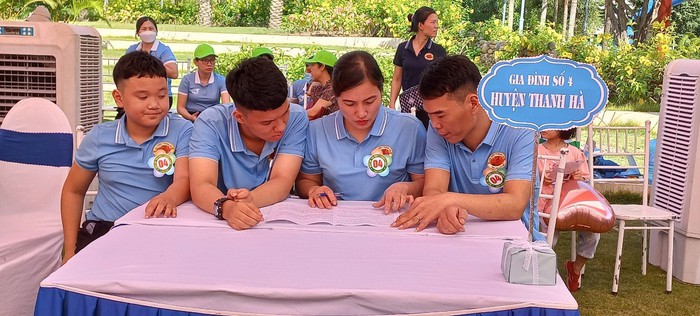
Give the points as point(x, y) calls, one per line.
point(378, 161)
point(495, 174)
point(163, 160)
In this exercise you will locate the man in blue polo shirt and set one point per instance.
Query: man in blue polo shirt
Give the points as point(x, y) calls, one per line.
point(473, 166)
point(246, 156)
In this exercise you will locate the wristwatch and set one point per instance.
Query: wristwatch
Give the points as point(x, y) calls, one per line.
point(219, 207)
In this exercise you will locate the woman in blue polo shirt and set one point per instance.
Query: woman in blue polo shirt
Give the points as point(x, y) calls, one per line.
point(361, 150)
point(202, 88)
point(147, 31)
point(414, 55)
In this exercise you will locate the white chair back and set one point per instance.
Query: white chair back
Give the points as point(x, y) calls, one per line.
point(555, 197)
point(36, 146)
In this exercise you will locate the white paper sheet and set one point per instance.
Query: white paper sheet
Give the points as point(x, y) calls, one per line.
point(346, 213)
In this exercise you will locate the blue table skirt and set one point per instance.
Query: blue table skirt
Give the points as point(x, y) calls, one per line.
point(53, 301)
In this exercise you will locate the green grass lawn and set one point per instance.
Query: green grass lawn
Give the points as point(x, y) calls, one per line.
point(637, 294)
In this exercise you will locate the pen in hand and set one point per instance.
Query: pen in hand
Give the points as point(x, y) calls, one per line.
point(338, 196)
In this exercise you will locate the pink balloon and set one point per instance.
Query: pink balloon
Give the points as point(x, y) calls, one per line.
point(582, 208)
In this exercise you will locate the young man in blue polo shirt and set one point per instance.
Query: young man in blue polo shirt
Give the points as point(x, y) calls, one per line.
point(140, 158)
point(472, 166)
point(246, 155)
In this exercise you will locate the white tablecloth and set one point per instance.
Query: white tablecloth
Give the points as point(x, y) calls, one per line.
point(197, 263)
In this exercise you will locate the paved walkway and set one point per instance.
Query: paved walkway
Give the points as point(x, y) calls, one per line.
point(196, 38)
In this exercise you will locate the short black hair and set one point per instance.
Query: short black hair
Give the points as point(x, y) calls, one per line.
point(420, 16)
point(353, 68)
point(257, 84)
point(137, 64)
point(567, 134)
point(454, 74)
point(143, 20)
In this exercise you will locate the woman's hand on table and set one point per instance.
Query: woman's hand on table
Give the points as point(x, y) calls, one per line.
point(322, 197)
point(395, 197)
point(161, 205)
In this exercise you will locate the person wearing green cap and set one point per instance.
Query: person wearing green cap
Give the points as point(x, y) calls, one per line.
point(202, 88)
point(323, 101)
point(263, 52)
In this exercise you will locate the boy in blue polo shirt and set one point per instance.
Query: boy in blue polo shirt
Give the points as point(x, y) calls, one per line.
point(472, 165)
point(141, 158)
point(246, 155)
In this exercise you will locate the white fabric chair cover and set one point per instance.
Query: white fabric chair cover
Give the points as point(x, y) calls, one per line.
point(36, 146)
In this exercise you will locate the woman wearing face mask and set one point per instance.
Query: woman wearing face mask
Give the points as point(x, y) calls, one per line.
point(202, 88)
point(147, 30)
point(361, 150)
point(414, 55)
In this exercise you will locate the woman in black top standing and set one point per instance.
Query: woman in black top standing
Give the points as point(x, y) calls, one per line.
point(414, 55)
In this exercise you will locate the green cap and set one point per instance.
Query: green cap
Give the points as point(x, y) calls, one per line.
point(259, 51)
point(323, 57)
point(203, 50)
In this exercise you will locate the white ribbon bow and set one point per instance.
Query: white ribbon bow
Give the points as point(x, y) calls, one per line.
point(530, 255)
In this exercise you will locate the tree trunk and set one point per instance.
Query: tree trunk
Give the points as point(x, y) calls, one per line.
point(665, 12)
point(564, 22)
point(511, 13)
point(205, 12)
point(276, 7)
point(644, 22)
point(543, 14)
point(572, 18)
point(556, 12)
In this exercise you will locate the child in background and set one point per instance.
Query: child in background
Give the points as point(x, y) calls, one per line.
point(587, 241)
point(141, 157)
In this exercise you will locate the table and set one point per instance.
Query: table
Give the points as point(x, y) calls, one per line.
point(197, 265)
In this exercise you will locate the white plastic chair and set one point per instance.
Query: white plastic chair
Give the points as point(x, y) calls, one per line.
point(36, 146)
point(631, 142)
point(556, 195)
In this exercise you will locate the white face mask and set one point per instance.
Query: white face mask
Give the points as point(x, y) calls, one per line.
point(148, 36)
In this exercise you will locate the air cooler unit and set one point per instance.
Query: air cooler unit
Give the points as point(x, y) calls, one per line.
point(54, 61)
point(676, 178)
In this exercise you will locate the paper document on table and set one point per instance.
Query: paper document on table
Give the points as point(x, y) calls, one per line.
point(346, 213)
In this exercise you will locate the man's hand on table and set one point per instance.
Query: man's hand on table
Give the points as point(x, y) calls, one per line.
point(241, 214)
point(452, 220)
point(427, 209)
point(240, 195)
point(161, 204)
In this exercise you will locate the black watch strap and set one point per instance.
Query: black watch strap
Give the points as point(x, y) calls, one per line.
point(219, 207)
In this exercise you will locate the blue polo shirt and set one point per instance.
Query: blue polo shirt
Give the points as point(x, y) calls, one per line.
point(466, 168)
point(128, 173)
point(362, 170)
point(216, 136)
point(160, 51)
point(299, 88)
point(202, 96)
point(412, 65)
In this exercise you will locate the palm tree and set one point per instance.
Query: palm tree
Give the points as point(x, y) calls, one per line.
point(276, 7)
point(572, 18)
point(205, 12)
point(565, 20)
point(543, 14)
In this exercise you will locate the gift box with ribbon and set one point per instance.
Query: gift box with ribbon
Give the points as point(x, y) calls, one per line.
point(525, 262)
